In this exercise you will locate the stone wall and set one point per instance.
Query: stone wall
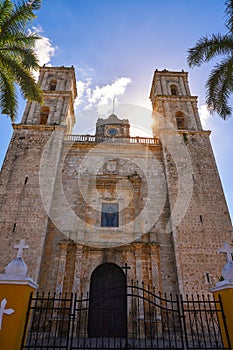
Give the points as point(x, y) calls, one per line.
point(22, 213)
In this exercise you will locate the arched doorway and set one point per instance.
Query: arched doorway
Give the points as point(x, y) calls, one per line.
point(108, 302)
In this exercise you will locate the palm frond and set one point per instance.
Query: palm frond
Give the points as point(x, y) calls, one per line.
point(8, 97)
point(229, 15)
point(30, 60)
point(17, 58)
point(6, 9)
point(20, 16)
point(35, 4)
point(219, 87)
point(19, 39)
point(26, 57)
point(23, 77)
point(207, 48)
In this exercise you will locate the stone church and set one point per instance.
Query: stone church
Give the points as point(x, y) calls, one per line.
point(92, 207)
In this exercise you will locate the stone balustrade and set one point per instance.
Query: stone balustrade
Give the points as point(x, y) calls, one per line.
point(152, 141)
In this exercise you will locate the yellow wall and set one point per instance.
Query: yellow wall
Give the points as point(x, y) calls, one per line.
point(17, 297)
point(226, 295)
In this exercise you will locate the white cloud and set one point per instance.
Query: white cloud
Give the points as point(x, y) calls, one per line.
point(43, 48)
point(204, 114)
point(81, 89)
point(94, 101)
point(105, 94)
point(94, 96)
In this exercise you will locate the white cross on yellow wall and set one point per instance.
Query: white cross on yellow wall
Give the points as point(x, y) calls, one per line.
point(3, 311)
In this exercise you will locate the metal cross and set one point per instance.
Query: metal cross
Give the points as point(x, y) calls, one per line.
point(227, 250)
point(113, 105)
point(126, 268)
point(21, 246)
point(3, 311)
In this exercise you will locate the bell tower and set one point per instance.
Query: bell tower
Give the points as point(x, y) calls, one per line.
point(198, 219)
point(173, 106)
point(22, 212)
point(59, 92)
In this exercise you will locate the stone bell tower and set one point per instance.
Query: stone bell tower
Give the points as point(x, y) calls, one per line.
point(22, 213)
point(172, 100)
point(199, 219)
point(59, 92)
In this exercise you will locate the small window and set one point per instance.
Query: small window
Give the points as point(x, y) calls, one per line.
point(44, 113)
point(110, 215)
point(174, 91)
point(180, 120)
point(52, 85)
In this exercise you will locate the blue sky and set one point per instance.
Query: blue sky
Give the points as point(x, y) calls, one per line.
point(115, 46)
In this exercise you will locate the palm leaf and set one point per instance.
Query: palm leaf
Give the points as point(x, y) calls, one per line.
point(6, 8)
point(20, 16)
point(24, 56)
point(207, 48)
point(8, 97)
point(17, 58)
point(19, 39)
point(229, 15)
point(219, 87)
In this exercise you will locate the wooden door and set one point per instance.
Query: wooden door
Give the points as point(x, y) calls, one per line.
point(108, 302)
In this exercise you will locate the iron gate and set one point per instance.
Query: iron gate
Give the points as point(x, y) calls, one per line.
point(153, 322)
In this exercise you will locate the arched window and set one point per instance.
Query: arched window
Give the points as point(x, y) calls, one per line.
point(180, 120)
point(52, 85)
point(174, 90)
point(44, 113)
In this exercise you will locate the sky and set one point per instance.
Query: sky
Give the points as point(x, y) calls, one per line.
point(115, 47)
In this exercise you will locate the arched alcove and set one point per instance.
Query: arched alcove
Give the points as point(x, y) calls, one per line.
point(52, 85)
point(180, 120)
point(44, 114)
point(174, 90)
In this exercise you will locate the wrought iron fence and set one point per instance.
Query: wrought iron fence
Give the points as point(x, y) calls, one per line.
point(153, 322)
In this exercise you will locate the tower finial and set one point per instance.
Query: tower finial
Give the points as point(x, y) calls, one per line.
point(20, 248)
point(113, 105)
point(228, 250)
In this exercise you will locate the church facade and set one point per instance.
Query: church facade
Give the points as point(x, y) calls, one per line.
point(90, 206)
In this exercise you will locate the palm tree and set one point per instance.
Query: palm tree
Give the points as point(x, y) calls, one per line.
point(219, 85)
point(17, 58)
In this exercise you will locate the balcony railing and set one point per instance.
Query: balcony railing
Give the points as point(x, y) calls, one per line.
point(153, 141)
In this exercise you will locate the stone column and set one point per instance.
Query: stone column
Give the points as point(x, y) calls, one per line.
point(224, 290)
point(139, 278)
point(62, 266)
point(15, 290)
point(138, 262)
point(77, 268)
point(155, 267)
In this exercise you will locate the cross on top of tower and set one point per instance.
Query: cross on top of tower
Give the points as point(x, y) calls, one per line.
point(21, 246)
point(113, 105)
point(228, 250)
